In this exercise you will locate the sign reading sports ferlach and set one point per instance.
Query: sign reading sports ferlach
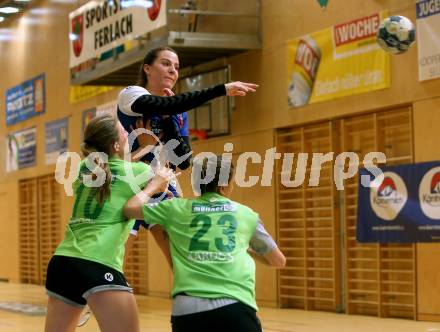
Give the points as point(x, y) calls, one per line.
point(102, 25)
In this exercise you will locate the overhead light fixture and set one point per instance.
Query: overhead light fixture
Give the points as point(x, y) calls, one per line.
point(22, 0)
point(2, 18)
point(136, 3)
point(42, 11)
point(9, 10)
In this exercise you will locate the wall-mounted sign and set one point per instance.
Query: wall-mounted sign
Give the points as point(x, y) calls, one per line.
point(25, 100)
point(21, 149)
point(102, 25)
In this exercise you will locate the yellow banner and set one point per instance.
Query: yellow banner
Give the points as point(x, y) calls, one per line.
point(80, 93)
point(338, 61)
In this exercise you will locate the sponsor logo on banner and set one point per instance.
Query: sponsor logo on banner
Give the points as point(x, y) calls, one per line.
point(429, 194)
point(307, 58)
point(78, 34)
point(100, 26)
point(339, 61)
point(409, 195)
point(388, 197)
point(25, 100)
point(356, 37)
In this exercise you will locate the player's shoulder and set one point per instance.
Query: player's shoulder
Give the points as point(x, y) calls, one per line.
point(244, 208)
point(176, 203)
point(129, 94)
point(126, 166)
point(133, 89)
point(140, 166)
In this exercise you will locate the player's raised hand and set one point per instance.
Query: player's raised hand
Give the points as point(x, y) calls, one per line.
point(163, 175)
point(168, 92)
point(239, 88)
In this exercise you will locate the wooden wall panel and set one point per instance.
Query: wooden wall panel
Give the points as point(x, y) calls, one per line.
point(28, 235)
point(136, 269)
point(308, 223)
point(381, 278)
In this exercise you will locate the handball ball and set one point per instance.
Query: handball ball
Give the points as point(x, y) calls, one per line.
point(396, 34)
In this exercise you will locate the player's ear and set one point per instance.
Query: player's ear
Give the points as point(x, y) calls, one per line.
point(146, 69)
point(226, 191)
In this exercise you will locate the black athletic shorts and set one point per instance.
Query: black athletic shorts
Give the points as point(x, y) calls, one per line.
point(72, 280)
point(236, 317)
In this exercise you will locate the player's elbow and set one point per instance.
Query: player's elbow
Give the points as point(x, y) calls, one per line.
point(128, 210)
point(131, 209)
point(280, 262)
point(276, 258)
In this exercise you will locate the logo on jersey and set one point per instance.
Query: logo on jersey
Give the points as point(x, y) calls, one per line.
point(213, 207)
point(78, 33)
point(108, 276)
point(180, 120)
point(429, 193)
point(388, 197)
point(212, 257)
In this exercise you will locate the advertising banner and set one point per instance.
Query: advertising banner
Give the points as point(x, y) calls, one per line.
point(84, 92)
point(25, 100)
point(56, 139)
point(99, 26)
point(338, 61)
point(403, 206)
point(428, 39)
point(21, 149)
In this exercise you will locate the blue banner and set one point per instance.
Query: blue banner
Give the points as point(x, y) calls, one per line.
point(21, 149)
point(56, 139)
point(401, 207)
point(25, 100)
point(425, 8)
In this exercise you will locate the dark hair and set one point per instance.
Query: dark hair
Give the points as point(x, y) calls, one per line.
point(149, 58)
point(99, 136)
point(205, 168)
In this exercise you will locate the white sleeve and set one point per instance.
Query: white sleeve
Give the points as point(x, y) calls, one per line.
point(128, 96)
point(261, 241)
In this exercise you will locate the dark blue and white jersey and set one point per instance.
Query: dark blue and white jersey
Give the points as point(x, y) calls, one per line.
point(135, 101)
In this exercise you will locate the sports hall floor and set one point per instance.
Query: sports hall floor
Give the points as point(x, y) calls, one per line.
point(154, 317)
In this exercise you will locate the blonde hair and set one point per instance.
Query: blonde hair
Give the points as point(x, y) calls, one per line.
point(100, 135)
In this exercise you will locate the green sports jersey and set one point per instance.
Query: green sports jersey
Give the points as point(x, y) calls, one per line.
point(209, 239)
point(98, 232)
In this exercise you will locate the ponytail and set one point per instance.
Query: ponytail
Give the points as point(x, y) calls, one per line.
point(103, 192)
point(99, 136)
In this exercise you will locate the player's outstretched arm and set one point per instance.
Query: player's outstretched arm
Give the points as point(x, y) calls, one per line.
point(171, 105)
